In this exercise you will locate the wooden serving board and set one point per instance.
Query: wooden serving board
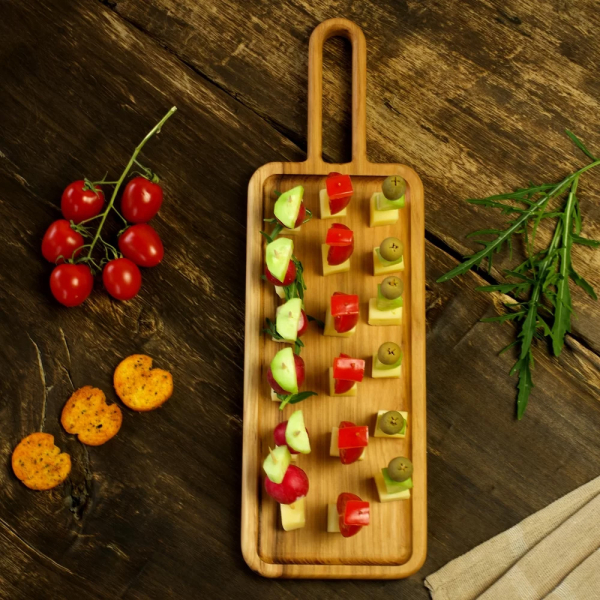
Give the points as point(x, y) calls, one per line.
point(394, 544)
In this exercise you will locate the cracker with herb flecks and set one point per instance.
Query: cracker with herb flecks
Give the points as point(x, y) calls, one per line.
point(140, 386)
point(88, 415)
point(39, 464)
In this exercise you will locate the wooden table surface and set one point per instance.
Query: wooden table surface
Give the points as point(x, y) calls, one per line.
point(473, 94)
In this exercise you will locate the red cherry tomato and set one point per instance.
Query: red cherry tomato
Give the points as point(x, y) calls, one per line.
point(302, 324)
point(141, 244)
point(300, 374)
point(345, 311)
point(342, 386)
point(336, 255)
point(350, 455)
point(79, 203)
point(339, 190)
point(342, 501)
point(353, 437)
point(290, 275)
point(71, 284)
point(141, 200)
point(60, 240)
point(352, 369)
point(122, 278)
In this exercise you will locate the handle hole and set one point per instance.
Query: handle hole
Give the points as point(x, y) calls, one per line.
point(337, 100)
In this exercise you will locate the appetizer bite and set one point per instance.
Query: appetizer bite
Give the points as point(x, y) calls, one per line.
point(388, 257)
point(385, 205)
point(280, 268)
point(291, 322)
point(285, 375)
point(349, 442)
point(345, 374)
point(336, 196)
point(395, 481)
point(348, 515)
point(342, 315)
point(386, 309)
point(391, 424)
point(281, 432)
point(290, 211)
point(337, 249)
point(387, 363)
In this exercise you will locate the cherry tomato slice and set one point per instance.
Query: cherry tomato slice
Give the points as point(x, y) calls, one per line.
point(122, 278)
point(341, 386)
point(141, 200)
point(61, 240)
point(290, 275)
point(343, 499)
point(71, 284)
point(350, 455)
point(339, 235)
point(339, 190)
point(353, 437)
point(357, 513)
point(78, 203)
point(336, 255)
point(352, 369)
point(345, 312)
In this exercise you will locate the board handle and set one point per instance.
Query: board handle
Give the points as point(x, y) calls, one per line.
point(324, 31)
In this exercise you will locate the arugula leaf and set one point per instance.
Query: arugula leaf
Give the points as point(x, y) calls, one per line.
point(294, 398)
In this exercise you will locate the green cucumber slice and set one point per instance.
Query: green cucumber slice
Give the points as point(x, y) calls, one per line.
point(379, 365)
point(287, 206)
point(385, 263)
point(384, 303)
point(279, 254)
point(288, 318)
point(383, 203)
point(393, 487)
point(276, 463)
point(296, 435)
point(283, 368)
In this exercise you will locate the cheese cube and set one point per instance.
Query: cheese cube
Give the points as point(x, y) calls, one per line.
point(330, 329)
point(293, 457)
point(274, 396)
point(380, 269)
point(381, 217)
point(379, 433)
point(293, 516)
point(379, 373)
point(332, 269)
point(333, 446)
point(324, 204)
point(382, 491)
point(351, 392)
point(333, 519)
point(280, 292)
point(384, 317)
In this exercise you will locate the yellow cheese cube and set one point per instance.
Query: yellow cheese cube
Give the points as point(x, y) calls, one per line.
point(333, 519)
point(351, 392)
point(378, 373)
point(379, 433)
point(274, 396)
point(380, 269)
point(381, 217)
point(325, 211)
point(333, 446)
point(332, 269)
point(279, 291)
point(382, 492)
point(330, 329)
point(383, 317)
point(293, 457)
point(293, 516)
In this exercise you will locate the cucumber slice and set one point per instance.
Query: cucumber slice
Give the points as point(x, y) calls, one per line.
point(279, 254)
point(384, 303)
point(385, 263)
point(288, 318)
point(383, 203)
point(393, 487)
point(296, 436)
point(380, 365)
point(283, 368)
point(276, 463)
point(287, 206)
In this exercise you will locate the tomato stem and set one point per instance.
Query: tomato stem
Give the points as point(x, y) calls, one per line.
point(132, 161)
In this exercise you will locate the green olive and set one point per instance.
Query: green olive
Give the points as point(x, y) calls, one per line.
point(389, 353)
point(394, 187)
point(391, 249)
point(392, 287)
point(400, 469)
point(391, 422)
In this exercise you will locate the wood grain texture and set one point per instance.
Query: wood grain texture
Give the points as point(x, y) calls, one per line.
point(155, 512)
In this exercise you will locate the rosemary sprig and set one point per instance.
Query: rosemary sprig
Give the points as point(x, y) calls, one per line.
point(539, 287)
point(271, 330)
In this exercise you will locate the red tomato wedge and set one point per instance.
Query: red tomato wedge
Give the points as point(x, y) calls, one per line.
point(341, 386)
point(342, 249)
point(344, 310)
point(342, 501)
point(349, 455)
point(350, 369)
point(353, 437)
point(340, 190)
point(357, 513)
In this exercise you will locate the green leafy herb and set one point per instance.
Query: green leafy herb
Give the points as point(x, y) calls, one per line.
point(271, 330)
point(294, 398)
point(539, 286)
point(319, 323)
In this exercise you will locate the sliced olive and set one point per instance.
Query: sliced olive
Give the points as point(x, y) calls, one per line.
point(388, 353)
point(392, 287)
point(400, 469)
point(393, 187)
point(391, 249)
point(391, 422)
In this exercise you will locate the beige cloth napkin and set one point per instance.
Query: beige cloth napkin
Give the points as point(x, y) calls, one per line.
point(552, 555)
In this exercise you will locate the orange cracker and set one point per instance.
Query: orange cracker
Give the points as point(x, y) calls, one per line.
point(140, 386)
point(39, 464)
point(87, 414)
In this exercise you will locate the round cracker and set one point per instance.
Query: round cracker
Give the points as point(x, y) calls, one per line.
point(88, 415)
point(39, 464)
point(141, 387)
